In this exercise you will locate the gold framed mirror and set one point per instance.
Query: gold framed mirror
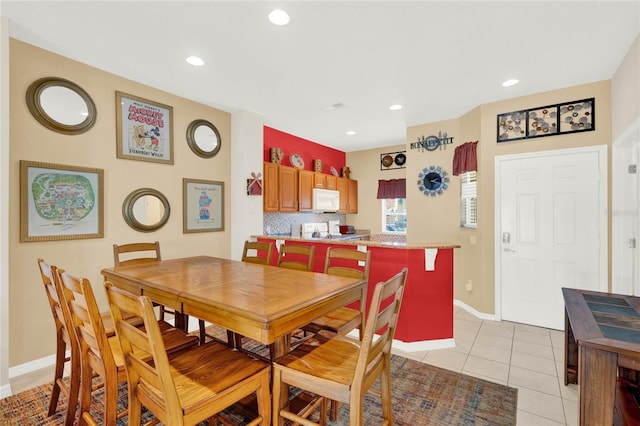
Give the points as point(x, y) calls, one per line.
point(61, 105)
point(203, 138)
point(146, 210)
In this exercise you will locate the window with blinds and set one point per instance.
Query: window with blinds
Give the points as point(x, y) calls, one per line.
point(468, 200)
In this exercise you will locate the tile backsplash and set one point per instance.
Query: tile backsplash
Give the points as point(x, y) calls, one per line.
point(280, 223)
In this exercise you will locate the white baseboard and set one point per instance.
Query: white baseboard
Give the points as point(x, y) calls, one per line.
point(424, 345)
point(474, 312)
point(5, 391)
point(34, 365)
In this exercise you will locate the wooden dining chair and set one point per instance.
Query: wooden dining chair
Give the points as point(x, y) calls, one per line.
point(194, 385)
point(342, 368)
point(296, 257)
point(260, 253)
point(346, 263)
point(64, 341)
point(258, 247)
point(99, 354)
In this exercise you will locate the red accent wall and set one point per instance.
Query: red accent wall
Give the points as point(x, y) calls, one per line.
point(427, 306)
point(307, 149)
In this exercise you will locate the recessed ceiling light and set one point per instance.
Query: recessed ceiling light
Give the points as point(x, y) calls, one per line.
point(510, 82)
point(351, 132)
point(279, 17)
point(195, 61)
point(395, 107)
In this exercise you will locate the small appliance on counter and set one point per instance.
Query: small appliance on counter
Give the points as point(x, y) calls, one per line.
point(347, 229)
point(314, 230)
point(334, 228)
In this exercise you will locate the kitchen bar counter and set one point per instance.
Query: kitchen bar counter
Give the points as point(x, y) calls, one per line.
point(427, 308)
point(355, 239)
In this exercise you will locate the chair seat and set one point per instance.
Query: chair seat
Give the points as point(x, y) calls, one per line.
point(332, 359)
point(108, 322)
point(341, 321)
point(202, 374)
point(175, 340)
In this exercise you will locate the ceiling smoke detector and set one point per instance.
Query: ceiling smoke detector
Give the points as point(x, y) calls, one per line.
point(333, 107)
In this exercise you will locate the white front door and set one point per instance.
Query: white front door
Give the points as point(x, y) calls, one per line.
point(551, 231)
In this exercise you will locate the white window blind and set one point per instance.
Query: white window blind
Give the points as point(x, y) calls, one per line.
point(468, 200)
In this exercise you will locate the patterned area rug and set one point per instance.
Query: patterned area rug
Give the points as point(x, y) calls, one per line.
point(422, 395)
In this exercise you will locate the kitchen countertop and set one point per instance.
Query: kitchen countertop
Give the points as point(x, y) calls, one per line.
point(355, 242)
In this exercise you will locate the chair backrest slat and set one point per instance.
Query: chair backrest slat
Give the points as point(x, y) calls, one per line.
point(258, 246)
point(151, 253)
point(296, 257)
point(346, 263)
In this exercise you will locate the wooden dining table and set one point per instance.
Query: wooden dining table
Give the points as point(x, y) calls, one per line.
point(265, 303)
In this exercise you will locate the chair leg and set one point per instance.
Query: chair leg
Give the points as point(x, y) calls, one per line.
point(74, 391)
point(277, 396)
point(333, 415)
point(55, 391)
point(201, 326)
point(86, 384)
point(111, 400)
point(385, 392)
point(264, 399)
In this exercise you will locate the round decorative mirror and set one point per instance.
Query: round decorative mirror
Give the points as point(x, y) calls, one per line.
point(146, 210)
point(61, 105)
point(203, 138)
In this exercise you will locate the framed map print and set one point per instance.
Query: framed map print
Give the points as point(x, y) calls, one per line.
point(203, 206)
point(144, 129)
point(59, 202)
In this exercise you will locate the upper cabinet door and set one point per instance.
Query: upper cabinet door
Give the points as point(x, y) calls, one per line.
point(288, 198)
point(270, 187)
point(305, 189)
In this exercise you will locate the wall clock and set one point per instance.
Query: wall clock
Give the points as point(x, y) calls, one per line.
point(433, 181)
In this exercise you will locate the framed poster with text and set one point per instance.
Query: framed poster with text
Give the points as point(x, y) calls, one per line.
point(144, 129)
point(202, 206)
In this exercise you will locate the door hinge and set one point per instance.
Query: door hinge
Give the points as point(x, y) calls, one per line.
point(632, 243)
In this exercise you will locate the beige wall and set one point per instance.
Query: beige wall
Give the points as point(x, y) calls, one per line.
point(365, 168)
point(436, 219)
point(490, 149)
point(625, 91)
point(31, 325)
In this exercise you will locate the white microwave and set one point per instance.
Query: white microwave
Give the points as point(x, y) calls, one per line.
point(325, 200)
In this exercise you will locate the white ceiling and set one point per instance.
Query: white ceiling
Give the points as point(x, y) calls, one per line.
point(438, 59)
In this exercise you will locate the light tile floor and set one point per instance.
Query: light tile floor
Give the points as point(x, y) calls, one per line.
point(525, 357)
point(521, 356)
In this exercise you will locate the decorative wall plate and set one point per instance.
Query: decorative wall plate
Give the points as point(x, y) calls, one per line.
point(393, 160)
point(433, 181)
point(296, 161)
point(334, 171)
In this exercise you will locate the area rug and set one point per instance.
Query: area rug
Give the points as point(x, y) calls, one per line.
point(422, 395)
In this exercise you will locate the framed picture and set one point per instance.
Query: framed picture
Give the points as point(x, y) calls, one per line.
point(144, 129)
point(202, 205)
point(542, 121)
point(577, 116)
point(59, 202)
point(512, 126)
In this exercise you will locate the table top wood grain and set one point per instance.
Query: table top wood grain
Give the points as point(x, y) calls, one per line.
point(257, 301)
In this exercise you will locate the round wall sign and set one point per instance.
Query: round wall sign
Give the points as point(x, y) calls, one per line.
point(433, 181)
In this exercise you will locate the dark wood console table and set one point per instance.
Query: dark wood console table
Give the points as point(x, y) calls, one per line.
point(602, 336)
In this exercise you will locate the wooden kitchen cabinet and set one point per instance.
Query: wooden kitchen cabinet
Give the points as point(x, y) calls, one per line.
point(331, 182)
point(348, 189)
point(306, 179)
point(280, 188)
point(270, 188)
point(320, 180)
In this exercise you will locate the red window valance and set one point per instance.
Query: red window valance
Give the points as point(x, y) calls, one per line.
point(392, 188)
point(465, 158)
